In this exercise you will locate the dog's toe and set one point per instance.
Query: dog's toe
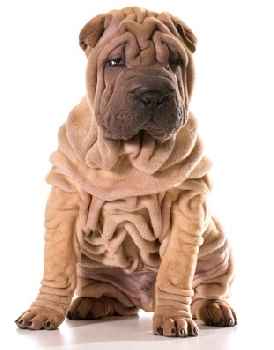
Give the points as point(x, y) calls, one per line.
point(218, 313)
point(39, 318)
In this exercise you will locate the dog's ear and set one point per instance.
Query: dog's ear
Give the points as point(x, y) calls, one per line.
point(92, 32)
point(185, 33)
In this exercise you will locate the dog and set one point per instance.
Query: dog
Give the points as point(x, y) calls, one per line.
point(127, 221)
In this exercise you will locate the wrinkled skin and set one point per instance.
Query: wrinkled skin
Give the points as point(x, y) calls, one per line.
point(139, 80)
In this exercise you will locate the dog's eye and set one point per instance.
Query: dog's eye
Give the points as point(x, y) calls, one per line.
point(115, 62)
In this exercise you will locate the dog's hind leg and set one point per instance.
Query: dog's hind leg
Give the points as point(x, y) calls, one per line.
point(85, 308)
point(213, 277)
point(109, 291)
point(98, 300)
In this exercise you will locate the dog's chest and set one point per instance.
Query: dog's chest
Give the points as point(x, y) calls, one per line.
point(127, 233)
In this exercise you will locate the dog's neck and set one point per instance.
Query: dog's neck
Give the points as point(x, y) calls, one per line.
point(142, 151)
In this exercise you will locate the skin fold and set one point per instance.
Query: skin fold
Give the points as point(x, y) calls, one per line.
point(127, 222)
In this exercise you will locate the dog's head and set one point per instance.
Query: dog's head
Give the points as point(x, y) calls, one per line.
point(140, 72)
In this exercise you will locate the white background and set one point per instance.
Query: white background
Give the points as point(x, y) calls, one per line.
point(42, 77)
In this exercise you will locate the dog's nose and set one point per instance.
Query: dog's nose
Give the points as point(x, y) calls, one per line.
point(151, 98)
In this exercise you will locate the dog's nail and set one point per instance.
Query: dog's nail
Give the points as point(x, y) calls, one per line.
point(195, 331)
point(159, 330)
point(181, 332)
point(173, 330)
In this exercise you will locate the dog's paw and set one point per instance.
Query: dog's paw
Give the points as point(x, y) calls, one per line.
point(218, 313)
point(39, 318)
point(83, 308)
point(174, 326)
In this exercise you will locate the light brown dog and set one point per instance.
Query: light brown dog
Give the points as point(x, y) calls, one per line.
point(127, 221)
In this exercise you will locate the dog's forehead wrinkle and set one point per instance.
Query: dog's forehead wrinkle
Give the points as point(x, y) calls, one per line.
point(147, 55)
point(142, 31)
point(145, 36)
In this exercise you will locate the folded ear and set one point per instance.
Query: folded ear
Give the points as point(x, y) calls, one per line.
point(185, 33)
point(92, 32)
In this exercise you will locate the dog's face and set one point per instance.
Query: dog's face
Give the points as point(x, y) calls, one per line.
point(139, 74)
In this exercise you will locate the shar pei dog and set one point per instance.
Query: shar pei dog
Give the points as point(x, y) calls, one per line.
point(127, 224)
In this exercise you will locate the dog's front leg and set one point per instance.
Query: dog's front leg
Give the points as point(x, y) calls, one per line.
point(58, 284)
point(173, 289)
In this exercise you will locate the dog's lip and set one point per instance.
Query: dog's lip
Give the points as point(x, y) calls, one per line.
point(123, 137)
point(159, 136)
point(119, 138)
point(156, 134)
point(149, 127)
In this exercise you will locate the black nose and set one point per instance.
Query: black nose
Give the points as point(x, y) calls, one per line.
point(151, 98)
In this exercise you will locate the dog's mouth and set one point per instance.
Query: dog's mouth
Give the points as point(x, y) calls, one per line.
point(160, 126)
point(155, 132)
